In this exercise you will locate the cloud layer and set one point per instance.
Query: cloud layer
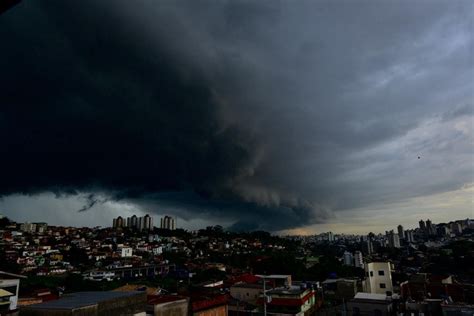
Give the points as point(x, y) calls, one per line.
point(267, 115)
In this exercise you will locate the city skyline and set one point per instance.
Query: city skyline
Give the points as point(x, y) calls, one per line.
point(284, 117)
point(134, 221)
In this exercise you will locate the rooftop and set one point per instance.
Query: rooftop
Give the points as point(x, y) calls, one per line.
point(161, 299)
point(370, 296)
point(82, 299)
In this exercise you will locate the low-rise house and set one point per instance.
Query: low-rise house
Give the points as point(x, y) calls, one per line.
point(290, 300)
point(246, 292)
point(370, 304)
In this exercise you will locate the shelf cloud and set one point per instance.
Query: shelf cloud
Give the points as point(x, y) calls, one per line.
point(268, 115)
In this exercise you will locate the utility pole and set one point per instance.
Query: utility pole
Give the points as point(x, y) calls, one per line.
point(264, 298)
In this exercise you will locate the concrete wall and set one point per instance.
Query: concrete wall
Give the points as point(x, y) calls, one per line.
point(216, 311)
point(367, 308)
point(246, 294)
point(176, 308)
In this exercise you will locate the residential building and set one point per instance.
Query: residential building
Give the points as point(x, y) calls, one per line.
point(430, 228)
point(358, 259)
point(330, 237)
point(370, 304)
point(378, 278)
point(126, 252)
point(132, 221)
point(348, 259)
point(293, 300)
point(422, 225)
point(393, 239)
point(28, 227)
point(145, 222)
point(168, 222)
point(400, 231)
point(410, 236)
point(118, 222)
point(247, 292)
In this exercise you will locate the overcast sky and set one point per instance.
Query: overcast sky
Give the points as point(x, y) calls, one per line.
point(287, 116)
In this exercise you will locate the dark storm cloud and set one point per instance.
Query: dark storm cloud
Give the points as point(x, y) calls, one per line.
point(269, 114)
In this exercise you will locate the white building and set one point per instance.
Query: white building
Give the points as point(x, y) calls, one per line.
point(9, 288)
point(28, 227)
point(370, 304)
point(378, 278)
point(126, 252)
point(358, 260)
point(157, 250)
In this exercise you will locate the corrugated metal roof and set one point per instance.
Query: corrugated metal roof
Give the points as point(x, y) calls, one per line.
point(82, 299)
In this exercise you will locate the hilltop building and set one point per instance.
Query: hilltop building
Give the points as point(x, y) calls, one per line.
point(168, 222)
point(134, 222)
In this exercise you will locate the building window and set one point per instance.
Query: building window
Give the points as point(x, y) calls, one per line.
point(382, 285)
point(381, 272)
point(371, 273)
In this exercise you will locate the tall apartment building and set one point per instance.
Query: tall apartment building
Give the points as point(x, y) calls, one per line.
point(358, 259)
point(369, 246)
point(410, 236)
point(430, 228)
point(422, 225)
point(168, 222)
point(134, 222)
point(401, 233)
point(145, 222)
point(393, 239)
point(118, 222)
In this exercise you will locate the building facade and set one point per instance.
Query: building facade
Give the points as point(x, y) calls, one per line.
point(168, 222)
point(378, 278)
